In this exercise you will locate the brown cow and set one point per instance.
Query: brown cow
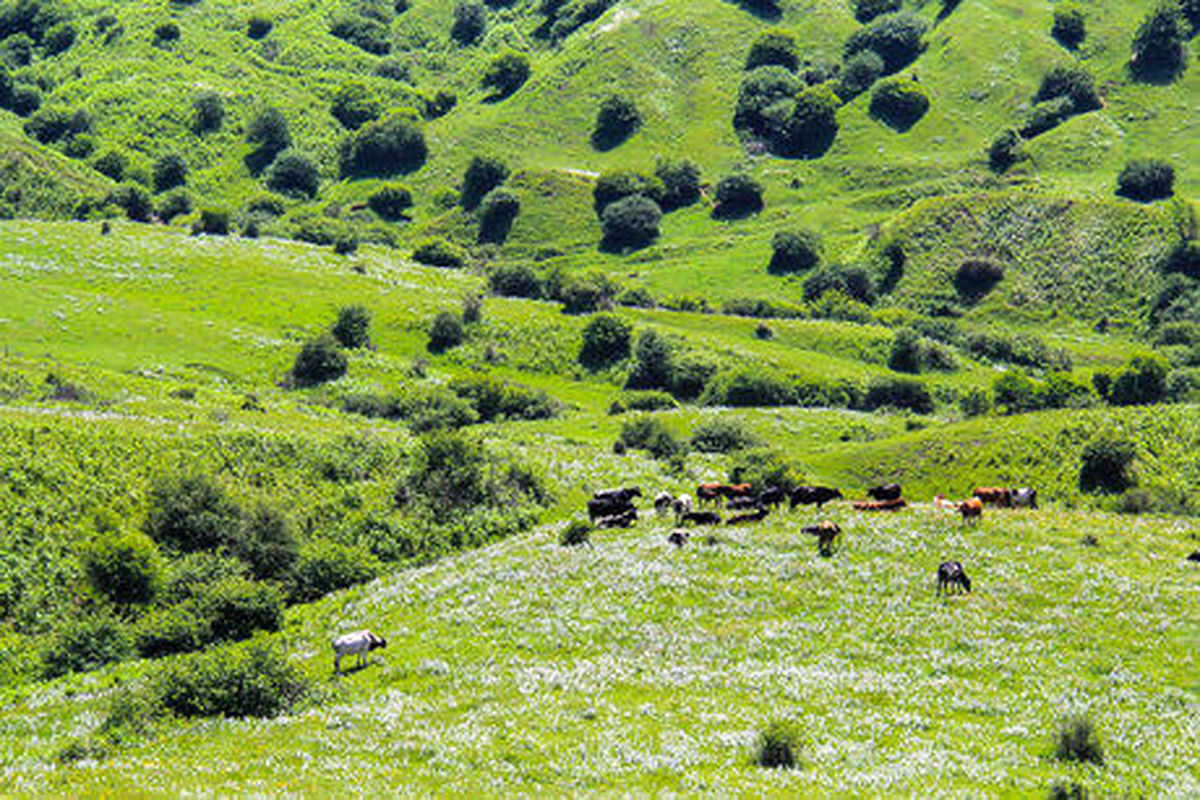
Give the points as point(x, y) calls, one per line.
point(827, 534)
point(880, 505)
point(971, 509)
point(997, 496)
point(710, 493)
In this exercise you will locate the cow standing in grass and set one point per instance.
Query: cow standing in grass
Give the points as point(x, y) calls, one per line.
point(950, 575)
point(358, 643)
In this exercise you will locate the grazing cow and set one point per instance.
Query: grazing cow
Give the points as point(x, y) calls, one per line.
point(772, 496)
point(710, 493)
point(1194, 555)
point(971, 509)
point(950, 575)
point(702, 518)
point(740, 490)
point(827, 534)
point(994, 496)
point(1025, 497)
point(742, 503)
point(809, 495)
point(625, 494)
point(888, 491)
point(679, 538)
point(625, 519)
point(880, 505)
point(752, 516)
point(358, 643)
point(662, 503)
point(606, 507)
point(682, 506)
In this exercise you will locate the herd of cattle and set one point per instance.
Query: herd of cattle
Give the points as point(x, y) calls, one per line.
point(614, 508)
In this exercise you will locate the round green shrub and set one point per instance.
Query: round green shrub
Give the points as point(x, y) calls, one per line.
point(384, 147)
point(1105, 465)
point(174, 204)
point(353, 327)
point(515, 280)
point(1072, 82)
point(808, 128)
point(470, 22)
point(294, 174)
point(1004, 151)
point(761, 90)
point(576, 533)
point(774, 49)
point(794, 251)
point(235, 608)
point(445, 332)
point(897, 38)
point(391, 201)
point(59, 39)
point(190, 512)
point(867, 10)
point(354, 105)
point(258, 26)
point(208, 112)
point(859, 74)
point(653, 362)
point(1160, 45)
point(506, 74)
point(899, 103)
point(439, 252)
point(319, 360)
point(1146, 180)
point(1077, 741)
point(366, 34)
point(778, 746)
point(898, 393)
point(976, 277)
point(630, 223)
point(133, 199)
point(1069, 27)
point(606, 341)
point(613, 186)
point(483, 174)
point(251, 680)
point(325, 567)
point(212, 222)
point(722, 435)
point(269, 132)
point(680, 181)
point(166, 33)
point(738, 195)
point(497, 213)
point(617, 119)
point(125, 568)
point(85, 644)
point(266, 541)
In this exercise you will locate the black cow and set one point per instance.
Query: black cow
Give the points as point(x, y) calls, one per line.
point(889, 491)
point(679, 538)
point(607, 507)
point(1194, 555)
point(951, 574)
point(809, 495)
point(752, 516)
point(625, 494)
point(623, 520)
point(702, 518)
point(772, 497)
point(741, 503)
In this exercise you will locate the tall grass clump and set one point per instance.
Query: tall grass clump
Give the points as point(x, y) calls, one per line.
point(1077, 741)
point(778, 746)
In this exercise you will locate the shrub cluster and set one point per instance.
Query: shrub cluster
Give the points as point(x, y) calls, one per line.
point(384, 147)
point(899, 103)
point(722, 435)
point(606, 341)
point(506, 74)
point(895, 37)
point(1146, 180)
point(794, 251)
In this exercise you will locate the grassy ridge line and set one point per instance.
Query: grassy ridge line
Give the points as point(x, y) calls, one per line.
point(525, 667)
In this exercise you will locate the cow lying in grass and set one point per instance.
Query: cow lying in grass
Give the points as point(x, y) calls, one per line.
point(880, 505)
point(951, 574)
point(358, 643)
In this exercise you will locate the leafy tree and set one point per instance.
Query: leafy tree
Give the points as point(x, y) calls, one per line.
point(794, 251)
point(808, 127)
point(653, 362)
point(680, 181)
point(390, 201)
point(1004, 151)
point(1143, 380)
point(174, 204)
point(439, 252)
point(1146, 180)
point(899, 103)
point(212, 222)
point(85, 644)
point(125, 568)
point(483, 174)
point(258, 26)
point(470, 22)
point(774, 49)
point(1159, 47)
point(1072, 82)
point(515, 280)
point(761, 90)
point(631, 222)
point(738, 195)
point(170, 171)
point(354, 105)
point(294, 174)
point(867, 10)
point(506, 74)
point(266, 541)
point(319, 360)
point(448, 473)
point(353, 327)
point(976, 277)
point(363, 32)
point(605, 342)
point(617, 120)
point(897, 38)
point(208, 112)
point(325, 567)
point(133, 199)
point(59, 39)
point(583, 294)
point(445, 333)
point(384, 147)
point(613, 186)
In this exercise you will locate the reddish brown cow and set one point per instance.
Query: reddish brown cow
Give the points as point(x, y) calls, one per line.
point(994, 496)
point(971, 509)
point(710, 493)
point(880, 505)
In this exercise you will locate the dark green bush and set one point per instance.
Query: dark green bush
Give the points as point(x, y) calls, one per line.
point(1077, 741)
point(867, 10)
point(495, 399)
point(448, 474)
point(49, 125)
point(1146, 180)
point(439, 252)
point(1184, 259)
point(899, 103)
point(649, 433)
point(1160, 45)
point(898, 393)
point(648, 400)
point(680, 181)
point(1142, 381)
point(84, 644)
point(133, 199)
point(354, 105)
point(853, 282)
point(616, 120)
point(170, 171)
point(762, 90)
point(515, 280)
point(166, 33)
point(325, 567)
point(441, 104)
point(175, 629)
point(59, 39)
point(613, 186)
point(319, 360)
point(653, 362)
point(806, 129)
point(346, 242)
point(25, 100)
point(189, 513)
point(174, 204)
point(258, 26)
point(976, 277)
point(576, 533)
point(497, 212)
point(778, 746)
point(1072, 82)
point(1004, 151)
point(1069, 28)
point(362, 32)
point(384, 147)
point(266, 540)
point(1021, 349)
point(774, 49)
point(722, 435)
point(794, 251)
point(433, 407)
point(470, 22)
point(269, 132)
point(212, 222)
point(1105, 465)
point(630, 223)
point(859, 74)
point(353, 327)
point(445, 332)
point(690, 375)
point(749, 386)
point(895, 37)
point(235, 608)
point(606, 341)
point(294, 174)
point(762, 467)
point(591, 291)
point(125, 568)
point(250, 680)
point(483, 174)
point(391, 201)
point(738, 195)
point(506, 74)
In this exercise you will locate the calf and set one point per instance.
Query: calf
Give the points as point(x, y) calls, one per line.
point(682, 506)
point(1025, 497)
point(950, 574)
point(679, 538)
point(663, 503)
point(888, 491)
point(625, 519)
point(710, 493)
point(880, 505)
point(827, 534)
point(752, 516)
point(702, 518)
point(810, 495)
point(358, 643)
point(994, 496)
point(971, 510)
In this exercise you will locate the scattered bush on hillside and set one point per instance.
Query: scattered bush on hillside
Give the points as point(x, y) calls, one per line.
point(1070, 27)
point(975, 402)
point(208, 112)
point(564, 18)
point(648, 400)
point(895, 37)
point(1160, 45)
point(133, 199)
point(325, 567)
point(354, 105)
point(653, 363)
point(1072, 82)
point(391, 201)
point(59, 39)
point(774, 49)
point(494, 399)
point(294, 174)
point(235, 608)
point(748, 386)
point(976, 277)
point(384, 147)
point(452, 476)
point(808, 127)
point(1005, 151)
point(1140, 382)
point(505, 75)
point(470, 22)
point(762, 467)
point(853, 282)
point(483, 174)
point(898, 393)
point(576, 533)
point(362, 32)
point(616, 120)
point(266, 541)
point(258, 26)
point(606, 341)
point(722, 435)
point(1146, 180)
point(319, 360)
point(778, 746)
point(25, 100)
point(50, 125)
point(189, 513)
point(613, 186)
point(762, 90)
point(794, 251)
point(914, 353)
point(165, 34)
point(1077, 741)
point(738, 195)
point(690, 375)
point(1021, 349)
point(630, 223)
point(268, 132)
point(439, 252)
point(123, 567)
point(85, 644)
point(515, 280)
point(173, 204)
point(680, 181)
point(867, 10)
point(441, 104)
point(250, 680)
point(445, 332)
point(649, 433)
point(1184, 259)
point(353, 327)
point(899, 103)
point(1177, 301)
point(1105, 465)
point(762, 309)
point(212, 222)
point(858, 75)
point(587, 292)
point(431, 407)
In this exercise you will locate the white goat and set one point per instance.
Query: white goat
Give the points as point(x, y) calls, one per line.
point(358, 643)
